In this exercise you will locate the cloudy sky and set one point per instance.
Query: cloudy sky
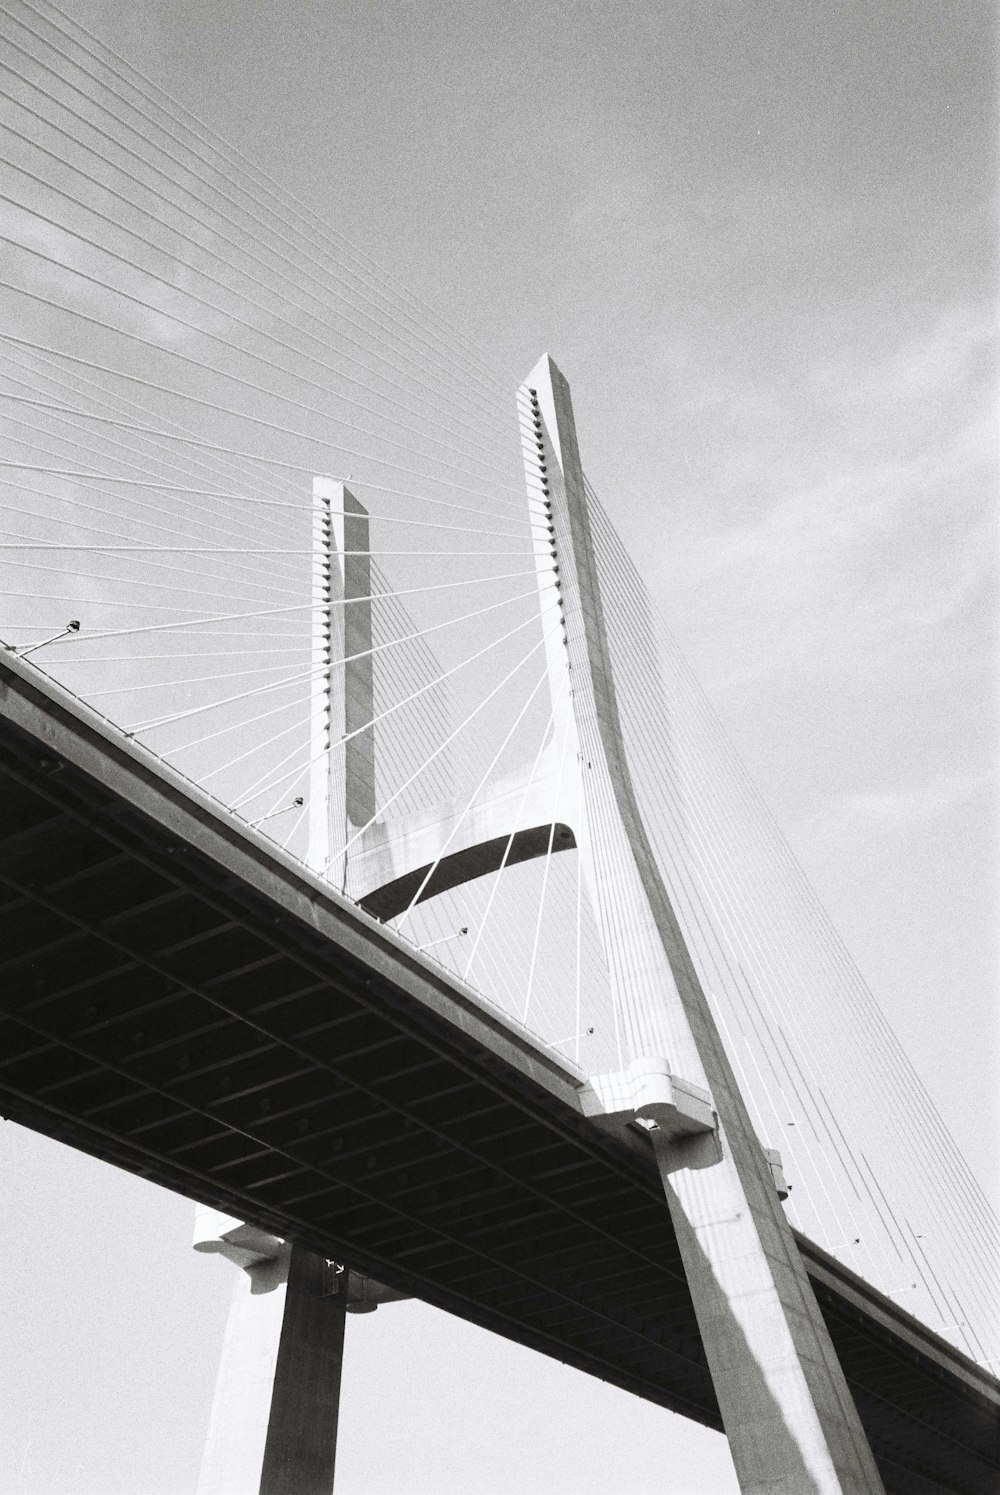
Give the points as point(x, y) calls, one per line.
point(759, 240)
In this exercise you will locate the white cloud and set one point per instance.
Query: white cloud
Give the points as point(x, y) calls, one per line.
point(57, 264)
point(903, 805)
point(867, 526)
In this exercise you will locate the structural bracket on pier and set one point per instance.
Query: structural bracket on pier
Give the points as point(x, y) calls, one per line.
point(365, 1294)
point(223, 1235)
point(248, 1246)
point(646, 1097)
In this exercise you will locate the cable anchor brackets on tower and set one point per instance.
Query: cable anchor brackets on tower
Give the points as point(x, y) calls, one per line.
point(646, 1100)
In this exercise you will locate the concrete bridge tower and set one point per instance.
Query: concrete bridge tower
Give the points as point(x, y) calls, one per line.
point(792, 1425)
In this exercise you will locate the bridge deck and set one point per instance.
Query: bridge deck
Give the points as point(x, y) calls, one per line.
point(181, 1000)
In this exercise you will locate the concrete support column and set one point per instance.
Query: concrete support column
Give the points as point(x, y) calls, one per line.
point(792, 1426)
point(301, 1446)
point(237, 1431)
point(273, 1426)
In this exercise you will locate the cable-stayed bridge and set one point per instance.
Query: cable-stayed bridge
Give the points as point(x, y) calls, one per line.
point(375, 871)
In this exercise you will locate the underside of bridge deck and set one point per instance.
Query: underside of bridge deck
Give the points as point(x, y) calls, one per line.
point(184, 1002)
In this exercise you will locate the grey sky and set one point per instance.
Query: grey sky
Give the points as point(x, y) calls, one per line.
point(758, 238)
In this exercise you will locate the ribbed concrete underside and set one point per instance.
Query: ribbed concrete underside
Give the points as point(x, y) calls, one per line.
point(181, 1001)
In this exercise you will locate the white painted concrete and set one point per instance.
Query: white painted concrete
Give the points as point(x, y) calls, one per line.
point(237, 1431)
point(792, 1426)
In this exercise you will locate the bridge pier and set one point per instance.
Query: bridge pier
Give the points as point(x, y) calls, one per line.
point(273, 1425)
point(275, 1413)
point(300, 1451)
point(792, 1426)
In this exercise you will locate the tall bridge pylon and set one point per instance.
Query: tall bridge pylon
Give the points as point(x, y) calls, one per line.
point(790, 1419)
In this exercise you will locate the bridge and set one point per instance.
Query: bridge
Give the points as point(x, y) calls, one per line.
point(452, 957)
point(184, 1001)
